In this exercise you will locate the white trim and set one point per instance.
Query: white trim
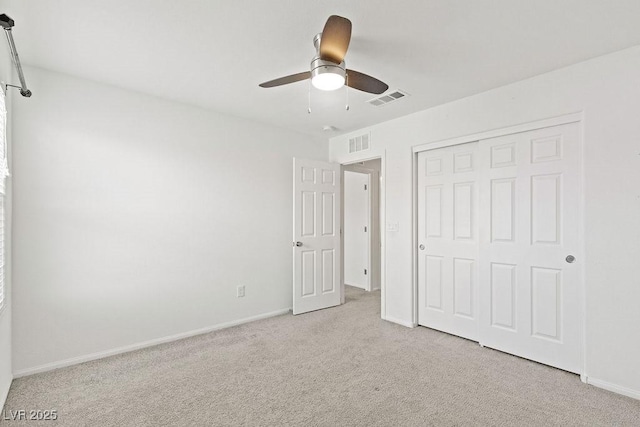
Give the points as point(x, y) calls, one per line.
point(414, 238)
point(400, 322)
point(613, 387)
point(144, 344)
point(523, 127)
point(382, 206)
point(582, 245)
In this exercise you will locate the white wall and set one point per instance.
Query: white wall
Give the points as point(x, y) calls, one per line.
point(607, 90)
point(136, 219)
point(5, 317)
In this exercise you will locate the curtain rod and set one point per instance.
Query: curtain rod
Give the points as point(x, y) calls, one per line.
point(8, 23)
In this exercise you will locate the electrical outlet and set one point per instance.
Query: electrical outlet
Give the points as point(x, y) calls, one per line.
point(240, 291)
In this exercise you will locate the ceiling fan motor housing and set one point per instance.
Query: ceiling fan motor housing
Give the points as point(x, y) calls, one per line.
point(319, 66)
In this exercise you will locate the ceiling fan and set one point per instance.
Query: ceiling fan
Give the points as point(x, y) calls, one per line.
point(328, 70)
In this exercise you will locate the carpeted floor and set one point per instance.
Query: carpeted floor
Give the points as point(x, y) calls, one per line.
point(334, 367)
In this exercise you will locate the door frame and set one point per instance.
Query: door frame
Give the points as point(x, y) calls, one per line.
point(366, 156)
point(577, 117)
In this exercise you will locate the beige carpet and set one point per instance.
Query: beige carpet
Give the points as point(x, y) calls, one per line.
point(341, 366)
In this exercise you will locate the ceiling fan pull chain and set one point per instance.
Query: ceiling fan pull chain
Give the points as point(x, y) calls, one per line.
point(309, 99)
point(346, 88)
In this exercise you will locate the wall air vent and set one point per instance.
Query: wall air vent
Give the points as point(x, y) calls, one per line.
point(390, 97)
point(359, 143)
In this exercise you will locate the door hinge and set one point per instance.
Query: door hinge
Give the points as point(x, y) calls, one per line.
point(365, 271)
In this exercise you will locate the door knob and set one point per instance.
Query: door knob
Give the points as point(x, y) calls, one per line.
point(421, 247)
point(298, 244)
point(570, 258)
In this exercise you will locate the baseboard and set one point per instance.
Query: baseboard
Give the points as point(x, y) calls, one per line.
point(399, 322)
point(613, 387)
point(138, 346)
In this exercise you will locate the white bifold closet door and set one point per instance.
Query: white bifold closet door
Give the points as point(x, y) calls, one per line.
point(518, 279)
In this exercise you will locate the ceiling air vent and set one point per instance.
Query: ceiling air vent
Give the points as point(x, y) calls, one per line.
point(385, 99)
point(359, 143)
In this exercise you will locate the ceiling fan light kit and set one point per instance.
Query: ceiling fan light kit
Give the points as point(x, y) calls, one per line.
point(328, 70)
point(326, 75)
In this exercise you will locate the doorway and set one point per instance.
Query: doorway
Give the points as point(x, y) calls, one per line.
point(318, 261)
point(361, 237)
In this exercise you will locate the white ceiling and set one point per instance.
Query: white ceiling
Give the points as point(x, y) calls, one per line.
point(214, 53)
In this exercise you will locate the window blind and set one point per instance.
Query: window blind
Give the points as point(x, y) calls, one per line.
point(4, 172)
point(2, 234)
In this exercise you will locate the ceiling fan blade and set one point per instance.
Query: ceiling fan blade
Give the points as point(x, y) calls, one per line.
point(336, 36)
point(365, 83)
point(288, 79)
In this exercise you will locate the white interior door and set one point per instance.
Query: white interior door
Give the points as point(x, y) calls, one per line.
point(357, 230)
point(530, 195)
point(448, 240)
point(316, 235)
